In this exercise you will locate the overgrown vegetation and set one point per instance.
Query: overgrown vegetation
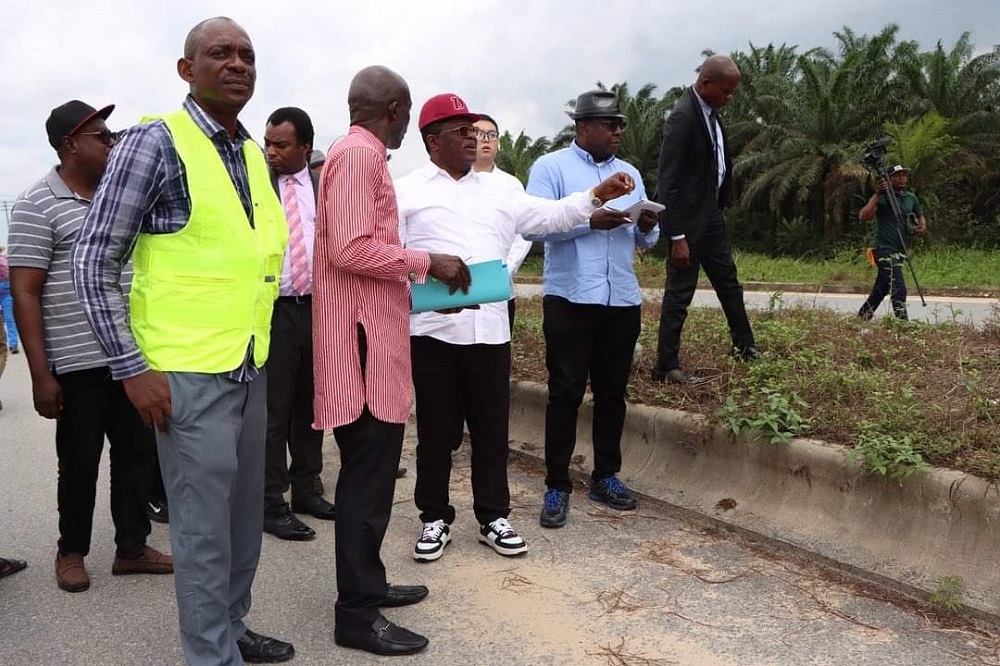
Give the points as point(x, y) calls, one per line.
point(941, 268)
point(901, 395)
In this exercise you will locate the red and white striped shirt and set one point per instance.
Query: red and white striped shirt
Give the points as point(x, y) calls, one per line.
point(361, 276)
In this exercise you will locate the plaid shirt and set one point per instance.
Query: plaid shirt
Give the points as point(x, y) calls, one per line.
point(144, 190)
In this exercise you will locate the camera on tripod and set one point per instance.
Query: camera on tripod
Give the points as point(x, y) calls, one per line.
point(874, 155)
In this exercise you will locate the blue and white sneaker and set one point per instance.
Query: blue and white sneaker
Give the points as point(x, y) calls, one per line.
point(555, 508)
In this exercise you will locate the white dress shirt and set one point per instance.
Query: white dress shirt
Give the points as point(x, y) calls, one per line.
point(720, 148)
point(307, 215)
point(508, 185)
point(477, 221)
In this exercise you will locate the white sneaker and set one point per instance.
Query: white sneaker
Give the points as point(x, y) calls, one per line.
point(501, 537)
point(433, 538)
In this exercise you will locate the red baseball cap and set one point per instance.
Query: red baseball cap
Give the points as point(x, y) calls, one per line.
point(442, 107)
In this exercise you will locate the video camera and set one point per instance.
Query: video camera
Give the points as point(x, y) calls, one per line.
point(875, 155)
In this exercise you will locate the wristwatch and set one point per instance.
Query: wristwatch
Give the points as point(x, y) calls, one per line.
point(595, 200)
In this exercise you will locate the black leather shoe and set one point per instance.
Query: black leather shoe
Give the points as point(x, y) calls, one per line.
point(315, 506)
point(383, 637)
point(677, 376)
point(403, 595)
point(286, 526)
point(257, 649)
point(750, 353)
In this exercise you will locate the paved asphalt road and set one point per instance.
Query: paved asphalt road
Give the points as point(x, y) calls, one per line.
point(608, 589)
point(939, 308)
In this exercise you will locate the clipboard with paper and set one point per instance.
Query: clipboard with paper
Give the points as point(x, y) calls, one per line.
point(490, 284)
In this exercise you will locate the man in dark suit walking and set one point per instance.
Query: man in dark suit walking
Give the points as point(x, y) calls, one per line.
point(694, 180)
point(288, 142)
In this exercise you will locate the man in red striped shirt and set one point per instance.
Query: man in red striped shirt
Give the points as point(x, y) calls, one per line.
point(361, 302)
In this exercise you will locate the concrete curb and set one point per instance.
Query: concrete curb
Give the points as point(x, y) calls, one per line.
point(804, 494)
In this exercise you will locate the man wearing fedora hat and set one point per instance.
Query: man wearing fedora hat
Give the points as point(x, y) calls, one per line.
point(890, 250)
point(591, 305)
point(70, 381)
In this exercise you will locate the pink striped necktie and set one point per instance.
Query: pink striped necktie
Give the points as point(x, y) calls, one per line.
point(299, 262)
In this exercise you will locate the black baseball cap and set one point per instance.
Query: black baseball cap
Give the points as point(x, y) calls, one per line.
point(66, 119)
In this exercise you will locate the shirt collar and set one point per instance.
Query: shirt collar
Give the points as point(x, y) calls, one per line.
point(587, 157)
point(60, 190)
point(368, 137)
point(299, 177)
point(705, 108)
point(431, 171)
point(210, 127)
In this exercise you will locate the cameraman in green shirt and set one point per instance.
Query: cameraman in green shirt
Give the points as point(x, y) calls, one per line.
point(890, 250)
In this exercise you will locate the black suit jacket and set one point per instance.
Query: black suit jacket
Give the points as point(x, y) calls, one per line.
point(688, 172)
point(315, 181)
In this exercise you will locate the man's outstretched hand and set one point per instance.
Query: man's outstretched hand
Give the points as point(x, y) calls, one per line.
point(616, 185)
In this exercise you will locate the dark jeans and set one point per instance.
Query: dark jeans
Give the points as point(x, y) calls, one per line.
point(712, 254)
point(581, 341)
point(455, 385)
point(290, 407)
point(95, 406)
point(369, 458)
point(888, 282)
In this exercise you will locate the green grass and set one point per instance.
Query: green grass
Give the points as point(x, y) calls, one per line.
point(939, 268)
point(902, 395)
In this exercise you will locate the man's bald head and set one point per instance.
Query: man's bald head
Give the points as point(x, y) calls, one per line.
point(718, 79)
point(191, 42)
point(379, 100)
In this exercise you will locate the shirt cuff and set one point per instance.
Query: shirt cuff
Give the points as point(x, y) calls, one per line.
point(417, 264)
point(677, 238)
point(128, 365)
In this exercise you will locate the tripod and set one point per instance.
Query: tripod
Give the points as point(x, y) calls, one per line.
point(897, 215)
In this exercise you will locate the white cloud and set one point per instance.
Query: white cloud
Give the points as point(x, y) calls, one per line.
point(519, 61)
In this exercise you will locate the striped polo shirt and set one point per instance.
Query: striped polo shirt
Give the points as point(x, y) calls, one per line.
point(44, 225)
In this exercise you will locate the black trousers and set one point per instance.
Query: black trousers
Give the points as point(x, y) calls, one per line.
point(455, 385)
point(290, 407)
point(712, 254)
point(369, 457)
point(581, 341)
point(889, 282)
point(95, 406)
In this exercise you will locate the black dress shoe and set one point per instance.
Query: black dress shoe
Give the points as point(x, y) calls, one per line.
point(748, 353)
point(257, 649)
point(286, 526)
point(383, 637)
point(403, 595)
point(315, 506)
point(678, 376)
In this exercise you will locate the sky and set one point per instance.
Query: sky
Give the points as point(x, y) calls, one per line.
point(518, 61)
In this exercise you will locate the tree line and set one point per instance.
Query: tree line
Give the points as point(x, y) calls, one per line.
point(799, 125)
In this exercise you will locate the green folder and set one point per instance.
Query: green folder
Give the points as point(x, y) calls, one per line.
point(490, 284)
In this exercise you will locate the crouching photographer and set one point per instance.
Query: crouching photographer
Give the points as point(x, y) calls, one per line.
point(892, 224)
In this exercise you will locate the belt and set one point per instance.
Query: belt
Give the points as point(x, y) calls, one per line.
point(304, 299)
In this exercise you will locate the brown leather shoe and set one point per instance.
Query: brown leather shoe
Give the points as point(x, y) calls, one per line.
point(70, 572)
point(149, 561)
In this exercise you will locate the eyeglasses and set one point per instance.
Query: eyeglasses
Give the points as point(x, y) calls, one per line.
point(612, 125)
point(483, 135)
point(464, 131)
point(105, 136)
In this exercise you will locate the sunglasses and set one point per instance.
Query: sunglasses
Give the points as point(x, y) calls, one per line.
point(612, 125)
point(105, 136)
point(464, 131)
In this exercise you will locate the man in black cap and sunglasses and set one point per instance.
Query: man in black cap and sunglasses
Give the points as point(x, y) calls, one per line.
point(70, 380)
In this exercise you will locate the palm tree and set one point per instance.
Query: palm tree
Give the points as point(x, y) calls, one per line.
point(515, 156)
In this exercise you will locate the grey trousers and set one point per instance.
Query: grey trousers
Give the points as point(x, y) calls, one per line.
point(212, 457)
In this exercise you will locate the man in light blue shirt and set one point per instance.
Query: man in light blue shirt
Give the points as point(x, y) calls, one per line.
point(591, 305)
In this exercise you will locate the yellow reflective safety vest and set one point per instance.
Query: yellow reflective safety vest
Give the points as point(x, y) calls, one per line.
point(200, 294)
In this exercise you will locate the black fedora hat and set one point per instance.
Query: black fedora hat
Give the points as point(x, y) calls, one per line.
point(596, 104)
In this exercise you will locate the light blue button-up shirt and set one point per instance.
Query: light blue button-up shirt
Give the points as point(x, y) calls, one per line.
point(584, 265)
